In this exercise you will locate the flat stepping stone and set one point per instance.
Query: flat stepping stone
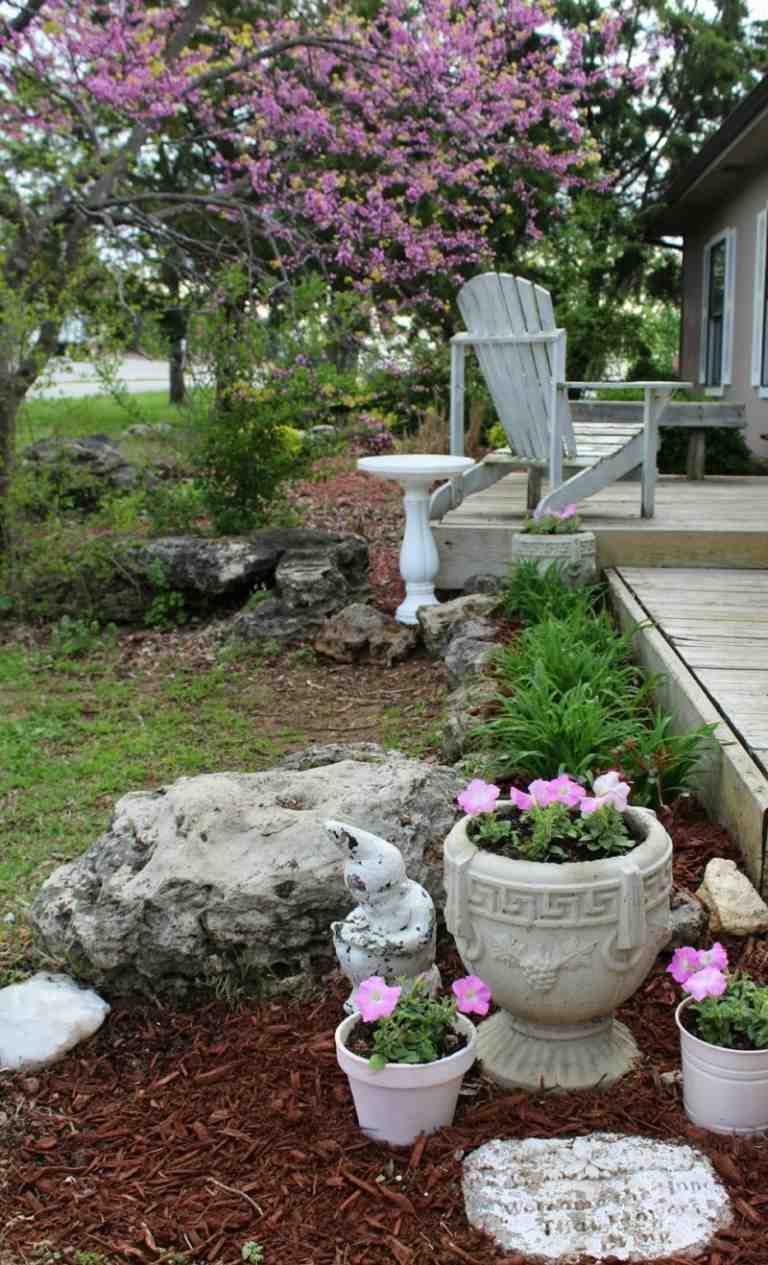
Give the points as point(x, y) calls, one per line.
point(603, 1195)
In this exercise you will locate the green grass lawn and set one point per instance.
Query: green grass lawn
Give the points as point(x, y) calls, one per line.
point(76, 734)
point(93, 414)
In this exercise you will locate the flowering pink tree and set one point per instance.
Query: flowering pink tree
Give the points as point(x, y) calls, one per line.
point(365, 147)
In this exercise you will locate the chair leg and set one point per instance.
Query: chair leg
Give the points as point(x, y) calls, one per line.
point(533, 494)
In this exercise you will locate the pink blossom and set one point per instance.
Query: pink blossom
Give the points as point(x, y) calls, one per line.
point(685, 963)
point(716, 956)
point(708, 982)
point(473, 997)
point(520, 799)
point(609, 789)
point(542, 792)
point(478, 797)
point(567, 791)
point(374, 999)
point(568, 511)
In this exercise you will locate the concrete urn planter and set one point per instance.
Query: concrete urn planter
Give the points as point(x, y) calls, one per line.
point(561, 946)
point(575, 553)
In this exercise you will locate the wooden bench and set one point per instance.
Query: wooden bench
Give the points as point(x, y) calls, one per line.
point(695, 418)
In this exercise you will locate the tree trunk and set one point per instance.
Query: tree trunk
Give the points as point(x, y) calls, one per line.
point(9, 407)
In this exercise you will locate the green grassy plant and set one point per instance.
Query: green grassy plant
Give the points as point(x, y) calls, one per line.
point(531, 595)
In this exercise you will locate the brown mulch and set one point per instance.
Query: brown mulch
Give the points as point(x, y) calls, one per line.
point(195, 1130)
point(342, 498)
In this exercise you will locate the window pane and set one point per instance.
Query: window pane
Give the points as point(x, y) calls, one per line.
point(715, 310)
point(764, 369)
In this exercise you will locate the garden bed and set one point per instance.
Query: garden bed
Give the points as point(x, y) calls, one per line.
point(200, 1129)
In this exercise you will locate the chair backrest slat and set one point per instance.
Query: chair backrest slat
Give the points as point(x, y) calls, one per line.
point(518, 377)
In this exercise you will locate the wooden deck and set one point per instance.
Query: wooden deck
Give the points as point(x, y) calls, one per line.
point(720, 522)
point(710, 640)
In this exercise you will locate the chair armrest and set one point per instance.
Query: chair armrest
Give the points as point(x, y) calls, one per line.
point(646, 386)
point(543, 336)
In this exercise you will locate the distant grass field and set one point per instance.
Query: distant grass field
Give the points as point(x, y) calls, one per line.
point(93, 414)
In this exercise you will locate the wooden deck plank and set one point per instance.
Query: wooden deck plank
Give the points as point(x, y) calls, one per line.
point(710, 677)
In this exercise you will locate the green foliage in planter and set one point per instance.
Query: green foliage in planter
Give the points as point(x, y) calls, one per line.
point(531, 595)
point(600, 834)
point(415, 1032)
point(737, 1019)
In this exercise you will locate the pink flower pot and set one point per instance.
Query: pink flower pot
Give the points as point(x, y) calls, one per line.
point(402, 1100)
point(725, 1091)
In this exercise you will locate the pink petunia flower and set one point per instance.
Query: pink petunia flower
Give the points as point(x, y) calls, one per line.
point(609, 789)
point(567, 511)
point(478, 797)
point(541, 792)
point(520, 799)
point(708, 982)
point(563, 788)
point(375, 999)
point(716, 956)
point(685, 963)
point(473, 997)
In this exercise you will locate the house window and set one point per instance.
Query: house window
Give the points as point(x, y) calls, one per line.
point(760, 318)
point(717, 311)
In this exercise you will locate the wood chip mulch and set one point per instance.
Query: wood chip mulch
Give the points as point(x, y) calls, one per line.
point(199, 1129)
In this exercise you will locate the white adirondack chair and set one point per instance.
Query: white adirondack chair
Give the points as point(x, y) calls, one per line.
point(511, 326)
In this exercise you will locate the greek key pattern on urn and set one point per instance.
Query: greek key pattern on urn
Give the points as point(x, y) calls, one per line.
point(596, 905)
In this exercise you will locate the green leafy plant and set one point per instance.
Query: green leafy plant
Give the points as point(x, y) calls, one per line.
point(659, 763)
point(531, 595)
point(167, 608)
point(538, 729)
point(404, 1024)
point(252, 1253)
point(570, 651)
point(71, 637)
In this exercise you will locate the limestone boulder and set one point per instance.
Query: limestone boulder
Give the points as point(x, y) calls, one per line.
point(360, 631)
point(735, 907)
point(190, 878)
point(470, 649)
point(85, 468)
point(463, 710)
point(688, 920)
point(437, 623)
point(485, 583)
point(319, 575)
point(205, 567)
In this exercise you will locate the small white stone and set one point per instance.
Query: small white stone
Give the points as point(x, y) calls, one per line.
point(43, 1018)
point(734, 905)
point(603, 1195)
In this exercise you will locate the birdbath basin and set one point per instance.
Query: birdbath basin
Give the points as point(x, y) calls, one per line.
point(418, 552)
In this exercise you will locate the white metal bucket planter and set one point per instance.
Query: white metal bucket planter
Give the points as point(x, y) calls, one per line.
point(402, 1100)
point(723, 1090)
point(561, 946)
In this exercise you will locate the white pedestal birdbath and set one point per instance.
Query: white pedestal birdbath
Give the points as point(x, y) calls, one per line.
point(418, 552)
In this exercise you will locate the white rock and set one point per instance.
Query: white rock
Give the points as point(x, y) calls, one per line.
point(226, 864)
point(735, 907)
point(44, 1017)
point(602, 1195)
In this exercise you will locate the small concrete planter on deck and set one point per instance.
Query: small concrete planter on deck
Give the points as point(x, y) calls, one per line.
point(575, 552)
point(561, 946)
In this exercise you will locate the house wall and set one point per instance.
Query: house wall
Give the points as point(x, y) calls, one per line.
point(739, 213)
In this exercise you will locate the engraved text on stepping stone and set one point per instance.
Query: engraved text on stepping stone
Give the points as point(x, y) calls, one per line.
point(602, 1195)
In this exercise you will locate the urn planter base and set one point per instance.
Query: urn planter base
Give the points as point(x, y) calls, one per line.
point(522, 1055)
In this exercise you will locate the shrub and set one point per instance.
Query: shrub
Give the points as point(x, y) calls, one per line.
point(531, 595)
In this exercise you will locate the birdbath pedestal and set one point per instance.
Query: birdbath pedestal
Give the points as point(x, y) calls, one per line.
point(418, 553)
